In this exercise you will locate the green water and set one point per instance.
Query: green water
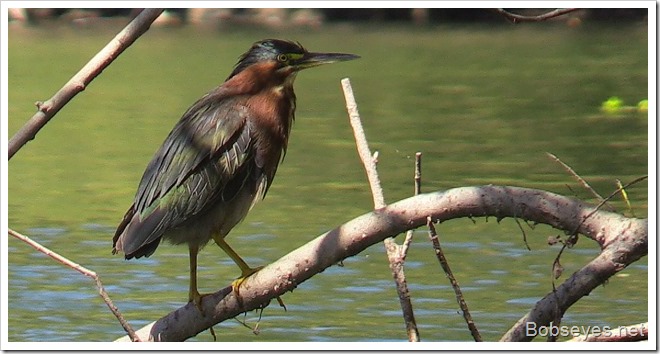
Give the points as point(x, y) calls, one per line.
point(483, 104)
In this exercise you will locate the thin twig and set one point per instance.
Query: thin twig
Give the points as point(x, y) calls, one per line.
point(520, 18)
point(524, 233)
point(454, 284)
point(418, 173)
point(392, 249)
point(612, 195)
point(418, 189)
point(78, 83)
point(579, 179)
point(82, 270)
point(624, 195)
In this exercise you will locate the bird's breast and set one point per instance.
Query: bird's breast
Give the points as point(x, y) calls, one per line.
point(272, 111)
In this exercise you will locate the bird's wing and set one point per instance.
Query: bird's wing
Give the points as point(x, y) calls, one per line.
point(181, 179)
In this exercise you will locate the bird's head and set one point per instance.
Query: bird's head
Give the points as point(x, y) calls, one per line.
point(286, 57)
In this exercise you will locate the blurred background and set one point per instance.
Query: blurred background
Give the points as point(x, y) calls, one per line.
point(481, 98)
point(313, 18)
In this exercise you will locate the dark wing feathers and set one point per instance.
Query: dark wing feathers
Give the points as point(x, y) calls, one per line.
point(191, 169)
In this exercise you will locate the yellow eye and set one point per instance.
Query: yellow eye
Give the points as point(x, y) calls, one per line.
point(283, 58)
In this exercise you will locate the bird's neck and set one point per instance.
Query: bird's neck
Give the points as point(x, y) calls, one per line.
point(269, 95)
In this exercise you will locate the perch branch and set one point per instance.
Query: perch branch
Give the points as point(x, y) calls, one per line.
point(84, 271)
point(394, 254)
point(624, 241)
point(78, 83)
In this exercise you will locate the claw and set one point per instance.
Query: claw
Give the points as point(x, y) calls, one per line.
point(245, 273)
point(236, 284)
point(196, 298)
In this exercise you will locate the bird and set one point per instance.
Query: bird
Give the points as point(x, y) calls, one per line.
point(219, 159)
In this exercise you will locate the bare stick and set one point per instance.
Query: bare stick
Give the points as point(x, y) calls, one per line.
point(579, 179)
point(418, 173)
point(393, 250)
point(363, 145)
point(84, 271)
point(454, 284)
point(78, 83)
point(520, 18)
point(418, 189)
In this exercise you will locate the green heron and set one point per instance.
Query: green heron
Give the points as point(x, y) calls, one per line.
point(219, 159)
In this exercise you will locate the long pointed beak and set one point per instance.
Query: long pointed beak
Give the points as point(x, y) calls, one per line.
point(310, 60)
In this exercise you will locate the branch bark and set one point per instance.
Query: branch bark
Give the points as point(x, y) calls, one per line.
point(624, 240)
point(78, 83)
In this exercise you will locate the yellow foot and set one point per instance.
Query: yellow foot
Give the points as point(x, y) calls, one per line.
point(235, 285)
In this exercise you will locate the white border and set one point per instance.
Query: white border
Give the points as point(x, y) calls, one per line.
point(652, 134)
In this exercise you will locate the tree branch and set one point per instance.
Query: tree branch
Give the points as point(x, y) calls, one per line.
point(78, 83)
point(514, 18)
point(625, 240)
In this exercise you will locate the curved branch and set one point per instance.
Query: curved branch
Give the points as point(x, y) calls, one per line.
point(78, 83)
point(606, 228)
point(624, 240)
point(515, 18)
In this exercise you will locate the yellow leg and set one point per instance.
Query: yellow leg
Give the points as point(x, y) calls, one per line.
point(193, 294)
point(246, 271)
